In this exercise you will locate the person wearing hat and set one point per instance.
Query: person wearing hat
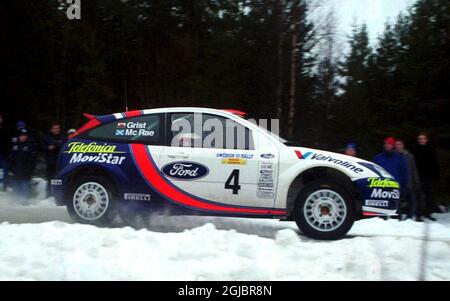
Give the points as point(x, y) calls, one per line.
point(22, 161)
point(393, 162)
point(20, 124)
point(350, 149)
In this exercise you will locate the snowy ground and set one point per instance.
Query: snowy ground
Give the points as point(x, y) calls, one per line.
point(38, 241)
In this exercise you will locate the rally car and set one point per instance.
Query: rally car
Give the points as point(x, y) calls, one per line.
point(140, 161)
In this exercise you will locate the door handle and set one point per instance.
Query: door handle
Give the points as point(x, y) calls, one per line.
point(178, 155)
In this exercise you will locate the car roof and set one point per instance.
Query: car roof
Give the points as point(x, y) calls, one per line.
point(136, 113)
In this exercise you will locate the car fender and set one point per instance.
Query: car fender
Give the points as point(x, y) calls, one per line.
point(295, 163)
point(70, 173)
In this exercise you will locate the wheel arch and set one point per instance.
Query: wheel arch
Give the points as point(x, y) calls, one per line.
point(88, 170)
point(319, 173)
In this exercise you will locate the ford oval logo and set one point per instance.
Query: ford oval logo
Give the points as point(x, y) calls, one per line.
point(185, 170)
point(267, 156)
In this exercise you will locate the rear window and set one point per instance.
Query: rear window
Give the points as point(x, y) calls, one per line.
point(144, 129)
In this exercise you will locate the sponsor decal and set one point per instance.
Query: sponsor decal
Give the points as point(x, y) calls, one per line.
point(235, 161)
point(379, 193)
point(231, 155)
point(377, 203)
point(234, 158)
point(100, 158)
point(346, 164)
point(302, 156)
point(55, 182)
point(137, 197)
point(382, 183)
point(133, 129)
point(265, 193)
point(265, 186)
point(94, 152)
point(93, 147)
point(184, 170)
point(267, 156)
point(136, 125)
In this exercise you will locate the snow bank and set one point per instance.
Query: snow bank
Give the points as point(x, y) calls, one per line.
point(61, 251)
point(33, 246)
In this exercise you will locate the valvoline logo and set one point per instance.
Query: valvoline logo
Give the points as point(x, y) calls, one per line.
point(185, 170)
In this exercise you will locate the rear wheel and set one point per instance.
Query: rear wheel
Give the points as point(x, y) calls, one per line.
point(92, 201)
point(324, 210)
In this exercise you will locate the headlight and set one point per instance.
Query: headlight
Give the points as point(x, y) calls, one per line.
point(384, 173)
point(377, 169)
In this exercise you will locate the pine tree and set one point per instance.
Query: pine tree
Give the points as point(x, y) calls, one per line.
point(354, 120)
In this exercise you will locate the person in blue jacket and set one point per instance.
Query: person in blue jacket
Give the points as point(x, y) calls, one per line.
point(22, 162)
point(393, 162)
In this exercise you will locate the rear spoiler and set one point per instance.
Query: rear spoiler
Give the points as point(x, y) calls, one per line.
point(89, 116)
point(92, 122)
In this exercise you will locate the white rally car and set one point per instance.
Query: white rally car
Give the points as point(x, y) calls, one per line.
point(140, 161)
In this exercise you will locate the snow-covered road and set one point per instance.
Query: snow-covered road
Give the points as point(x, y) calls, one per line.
point(39, 242)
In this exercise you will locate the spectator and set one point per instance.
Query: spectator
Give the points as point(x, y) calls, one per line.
point(413, 181)
point(22, 162)
point(394, 163)
point(428, 169)
point(51, 145)
point(5, 148)
point(350, 149)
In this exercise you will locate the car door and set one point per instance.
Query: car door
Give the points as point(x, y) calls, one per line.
point(227, 169)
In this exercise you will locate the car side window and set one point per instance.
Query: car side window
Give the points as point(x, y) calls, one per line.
point(145, 129)
point(208, 131)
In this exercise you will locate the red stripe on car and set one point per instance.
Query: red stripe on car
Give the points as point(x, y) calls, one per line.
point(133, 113)
point(153, 176)
point(368, 213)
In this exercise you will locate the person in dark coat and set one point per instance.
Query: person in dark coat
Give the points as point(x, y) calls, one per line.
point(22, 162)
point(394, 163)
point(5, 149)
point(51, 145)
point(428, 168)
point(413, 182)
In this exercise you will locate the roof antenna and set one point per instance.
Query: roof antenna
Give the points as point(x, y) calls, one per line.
point(126, 95)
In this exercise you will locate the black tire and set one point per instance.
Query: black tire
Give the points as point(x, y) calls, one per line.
point(109, 213)
point(305, 221)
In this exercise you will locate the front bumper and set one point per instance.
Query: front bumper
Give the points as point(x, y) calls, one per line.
point(378, 196)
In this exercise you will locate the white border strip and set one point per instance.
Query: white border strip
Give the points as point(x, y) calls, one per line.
point(380, 210)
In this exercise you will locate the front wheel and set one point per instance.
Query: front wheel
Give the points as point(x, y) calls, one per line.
point(92, 201)
point(324, 210)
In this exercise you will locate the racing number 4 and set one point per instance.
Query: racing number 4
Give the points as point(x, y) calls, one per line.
point(234, 177)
